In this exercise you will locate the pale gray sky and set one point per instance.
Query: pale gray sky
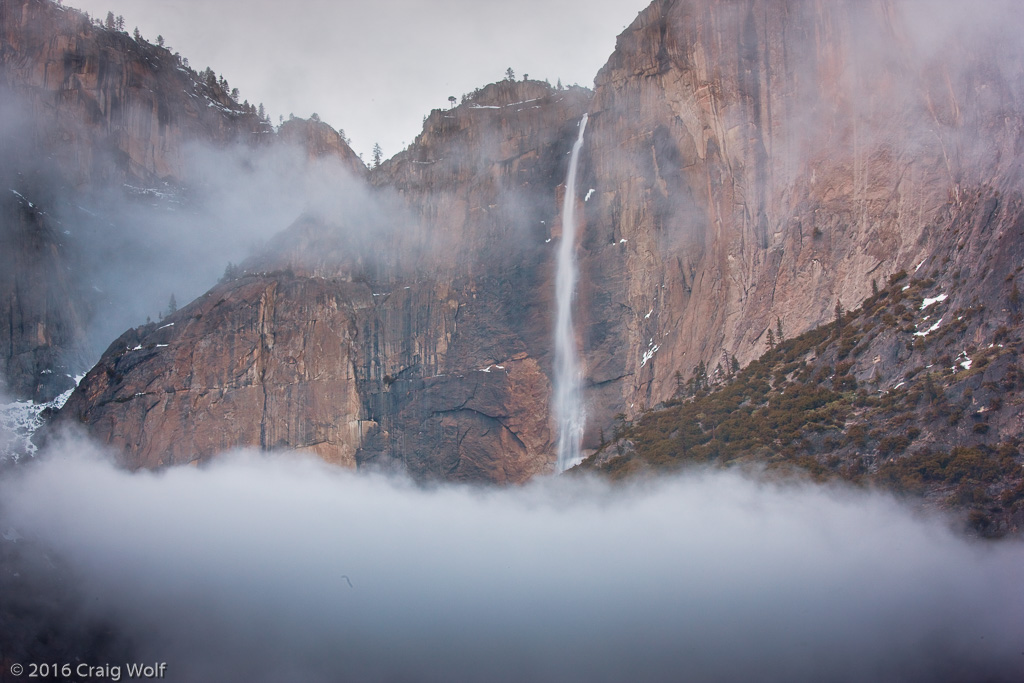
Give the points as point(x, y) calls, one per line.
point(376, 68)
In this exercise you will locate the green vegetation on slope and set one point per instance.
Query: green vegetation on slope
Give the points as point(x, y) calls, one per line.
point(876, 398)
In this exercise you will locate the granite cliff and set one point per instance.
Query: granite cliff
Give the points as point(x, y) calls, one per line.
point(748, 166)
point(755, 164)
point(93, 121)
point(422, 348)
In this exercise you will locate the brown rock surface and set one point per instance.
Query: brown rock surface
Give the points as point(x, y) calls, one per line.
point(88, 112)
point(108, 107)
point(41, 342)
point(446, 349)
point(758, 162)
point(747, 165)
point(320, 141)
point(265, 362)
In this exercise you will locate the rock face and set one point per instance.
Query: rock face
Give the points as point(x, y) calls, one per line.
point(82, 106)
point(756, 163)
point(40, 344)
point(747, 167)
point(256, 362)
point(320, 142)
point(109, 108)
point(433, 359)
point(87, 110)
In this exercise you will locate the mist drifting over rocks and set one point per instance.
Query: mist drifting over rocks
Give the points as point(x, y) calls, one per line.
point(749, 168)
point(241, 570)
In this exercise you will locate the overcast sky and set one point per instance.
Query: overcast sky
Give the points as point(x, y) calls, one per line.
point(376, 69)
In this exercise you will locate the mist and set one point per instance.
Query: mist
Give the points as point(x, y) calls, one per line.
point(268, 567)
point(128, 245)
point(140, 245)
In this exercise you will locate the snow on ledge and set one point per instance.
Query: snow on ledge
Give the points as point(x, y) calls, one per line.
point(933, 300)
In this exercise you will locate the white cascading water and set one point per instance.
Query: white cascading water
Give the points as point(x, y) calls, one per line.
point(568, 395)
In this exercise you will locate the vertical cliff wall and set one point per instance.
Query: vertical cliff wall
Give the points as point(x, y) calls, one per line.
point(406, 325)
point(748, 166)
point(754, 163)
point(108, 108)
point(114, 154)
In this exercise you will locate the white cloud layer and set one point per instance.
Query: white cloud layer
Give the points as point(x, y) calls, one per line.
point(241, 570)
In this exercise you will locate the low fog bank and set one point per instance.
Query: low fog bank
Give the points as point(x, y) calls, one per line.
point(127, 246)
point(241, 571)
point(137, 246)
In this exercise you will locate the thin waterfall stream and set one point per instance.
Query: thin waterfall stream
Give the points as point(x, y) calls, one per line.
point(569, 412)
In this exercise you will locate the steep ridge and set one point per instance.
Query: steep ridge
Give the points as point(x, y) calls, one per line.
point(421, 348)
point(110, 108)
point(94, 120)
point(41, 344)
point(747, 167)
point(755, 163)
point(918, 391)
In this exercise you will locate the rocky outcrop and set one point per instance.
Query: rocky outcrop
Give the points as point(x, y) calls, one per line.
point(748, 166)
point(261, 361)
point(422, 354)
point(320, 142)
point(94, 120)
point(82, 107)
point(109, 108)
point(41, 344)
point(753, 164)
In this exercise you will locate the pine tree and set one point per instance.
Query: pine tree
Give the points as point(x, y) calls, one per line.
point(735, 365)
point(839, 318)
point(172, 305)
point(771, 339)
point(160, 41)
point(378, 154)
point(110, 21)
point(558, 86)
point(700, 376)
point(119, 23)
point(510, 75)
point(137, 35)
point(778, 329)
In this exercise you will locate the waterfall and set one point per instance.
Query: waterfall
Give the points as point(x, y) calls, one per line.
point(568, 396)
